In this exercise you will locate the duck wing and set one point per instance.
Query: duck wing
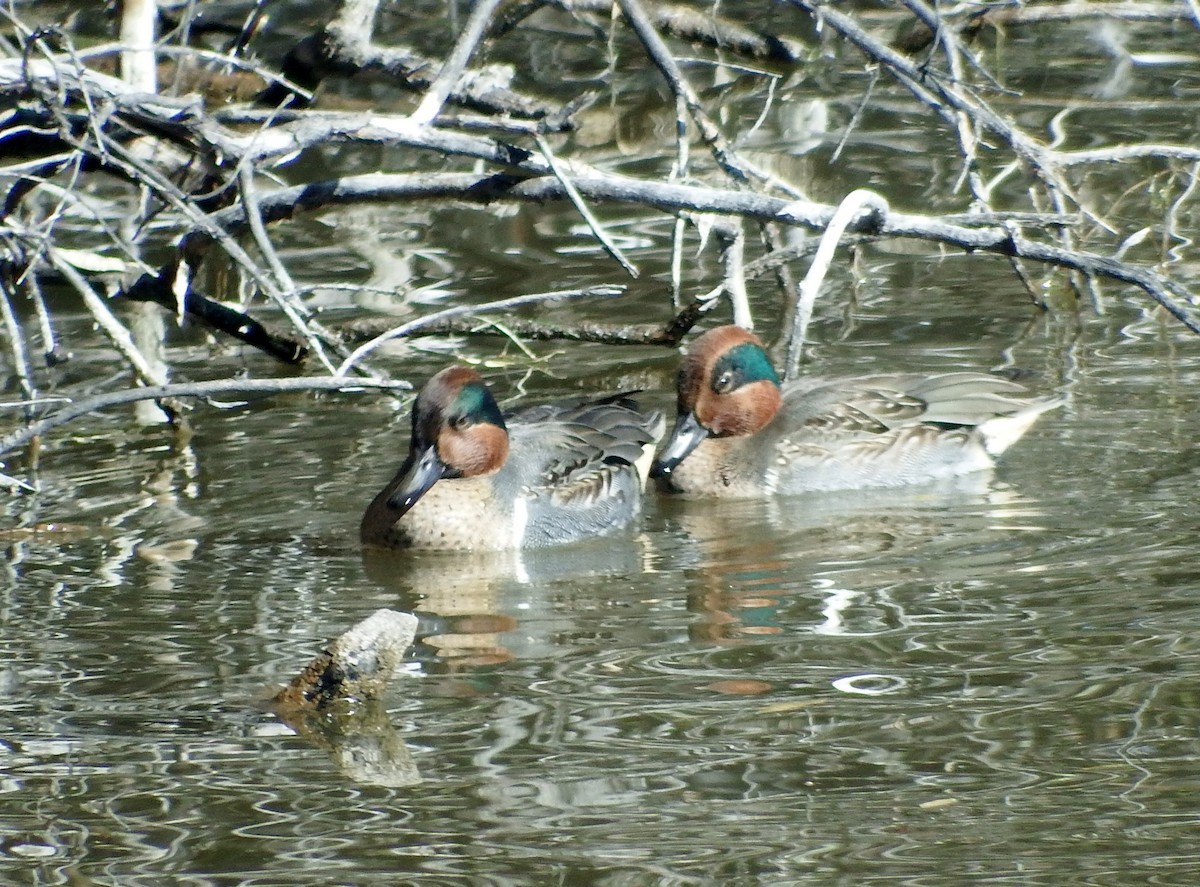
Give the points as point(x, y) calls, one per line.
point(876, 404)
point(576, 454)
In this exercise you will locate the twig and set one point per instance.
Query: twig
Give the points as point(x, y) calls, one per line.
point(50, 351)
point(873, 71)
point(733, 260)
point(991, 236)
point(16, 339)
point(286, 290)
point(573, 195)
point(24, 435)
point(943, 97)
point(737, 168)
point(345, 47)
point(583, 331)
point(16, 484)
point(963, 122)
point(254, 19)
point(113, 328)
point(1120, 153)
point(868, 208)
point(679, 171)
point(705, 28)
point(1170, 228)
point(456, 63)
point(250, 200)
point(1077, 11)
point(1023, 275)
point(405, 328)
point(677, 234)
point(115, 155)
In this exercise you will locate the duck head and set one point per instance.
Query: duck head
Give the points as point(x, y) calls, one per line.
point(726, 388)
point(457, 431)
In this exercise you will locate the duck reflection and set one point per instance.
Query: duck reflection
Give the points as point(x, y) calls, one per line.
point(750, 559)
point(476, 608)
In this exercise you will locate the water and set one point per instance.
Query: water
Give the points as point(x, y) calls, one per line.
point(988, 682)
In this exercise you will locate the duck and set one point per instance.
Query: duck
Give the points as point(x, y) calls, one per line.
point(476, 480)
point(742, 433)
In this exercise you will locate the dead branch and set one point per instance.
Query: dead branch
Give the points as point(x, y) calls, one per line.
point(456, 63)
point(945, 96)
point(287, 203)
point(214, 174)
point(667, 335)
point(345, 48)
point(359, 664)
point(1075, 10)
point(178, 390)
point(701, 27)
point(734, 166)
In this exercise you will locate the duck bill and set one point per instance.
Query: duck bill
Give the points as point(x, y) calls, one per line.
point(686, 436)
point(420, 472)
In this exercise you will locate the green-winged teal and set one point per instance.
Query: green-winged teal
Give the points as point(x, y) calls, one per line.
point(740, 432)
point(547, 475)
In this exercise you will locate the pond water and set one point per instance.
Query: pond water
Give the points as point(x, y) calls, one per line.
point(995, 681)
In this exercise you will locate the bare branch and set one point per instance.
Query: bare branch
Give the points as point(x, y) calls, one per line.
point(405, 328)
point(855, 204)
point(704, 28)
point(737, 168)
point(345, 47)
point(593, 223)
point(456, 63)
point(260, 387)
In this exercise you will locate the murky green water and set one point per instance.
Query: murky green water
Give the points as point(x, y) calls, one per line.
point(991, 682)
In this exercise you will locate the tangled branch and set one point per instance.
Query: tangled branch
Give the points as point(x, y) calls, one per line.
point(220, 182)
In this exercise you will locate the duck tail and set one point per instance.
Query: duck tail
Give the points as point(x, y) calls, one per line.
point(1001, 432)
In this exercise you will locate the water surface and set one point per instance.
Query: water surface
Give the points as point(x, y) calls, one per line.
point(992, 681)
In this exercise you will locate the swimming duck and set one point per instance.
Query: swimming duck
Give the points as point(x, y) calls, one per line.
point(549, 475)
point(740, 432)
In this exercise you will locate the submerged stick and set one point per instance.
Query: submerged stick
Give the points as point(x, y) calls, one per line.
point(358, 665)
point(588, 216)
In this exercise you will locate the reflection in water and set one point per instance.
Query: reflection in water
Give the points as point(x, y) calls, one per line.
point(473, 606)
point(361, 739)
point(933, 687)
point(826, 544)
point(786, 691)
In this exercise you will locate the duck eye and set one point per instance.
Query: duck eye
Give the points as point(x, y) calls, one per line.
point(723, 383)
point(458, 423)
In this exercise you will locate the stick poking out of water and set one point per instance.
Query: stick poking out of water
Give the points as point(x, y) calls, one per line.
point(360, 664)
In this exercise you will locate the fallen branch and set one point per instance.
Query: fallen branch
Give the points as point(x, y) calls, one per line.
point(699, 26)
point(359, 664)
point(345, 47)
point(260, 387)
point(405, 329)
point(666, 335)
point(991, 237)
